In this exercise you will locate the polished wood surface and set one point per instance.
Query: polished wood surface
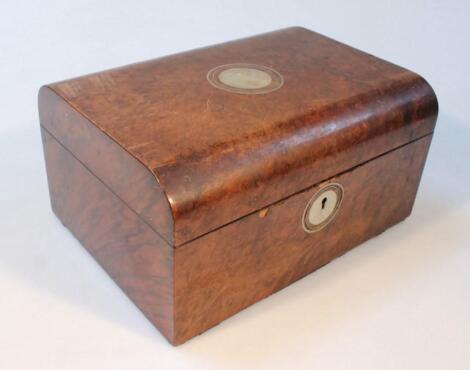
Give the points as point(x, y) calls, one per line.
point(137, 259)
point(223, 272)
point(121, 172)
point(192, 197)
point(185, 291)
point(217, 156)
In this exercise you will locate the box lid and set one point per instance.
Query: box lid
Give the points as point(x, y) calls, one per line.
point(222, 142)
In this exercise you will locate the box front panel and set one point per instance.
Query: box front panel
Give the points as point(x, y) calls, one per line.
point(223, 272)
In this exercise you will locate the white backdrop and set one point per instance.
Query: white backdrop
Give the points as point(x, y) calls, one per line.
point(400, 301)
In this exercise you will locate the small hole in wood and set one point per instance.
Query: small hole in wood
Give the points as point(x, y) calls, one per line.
point(323, 202)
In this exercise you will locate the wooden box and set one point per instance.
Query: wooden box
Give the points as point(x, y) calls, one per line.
point(205, 181)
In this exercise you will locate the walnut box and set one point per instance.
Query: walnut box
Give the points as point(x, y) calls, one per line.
point(205, 181)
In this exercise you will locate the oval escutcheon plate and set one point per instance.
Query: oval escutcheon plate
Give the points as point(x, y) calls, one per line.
point(322, 207)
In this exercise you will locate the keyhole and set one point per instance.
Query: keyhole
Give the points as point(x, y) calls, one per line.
point(323, 202)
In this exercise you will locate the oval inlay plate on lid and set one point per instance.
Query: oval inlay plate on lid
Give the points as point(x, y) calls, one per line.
point(245, 78)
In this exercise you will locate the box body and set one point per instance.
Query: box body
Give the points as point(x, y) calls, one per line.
point(192, 197)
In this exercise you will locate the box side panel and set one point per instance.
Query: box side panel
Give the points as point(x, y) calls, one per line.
point(126, 176)
point(136, 258)
point(225, 271)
